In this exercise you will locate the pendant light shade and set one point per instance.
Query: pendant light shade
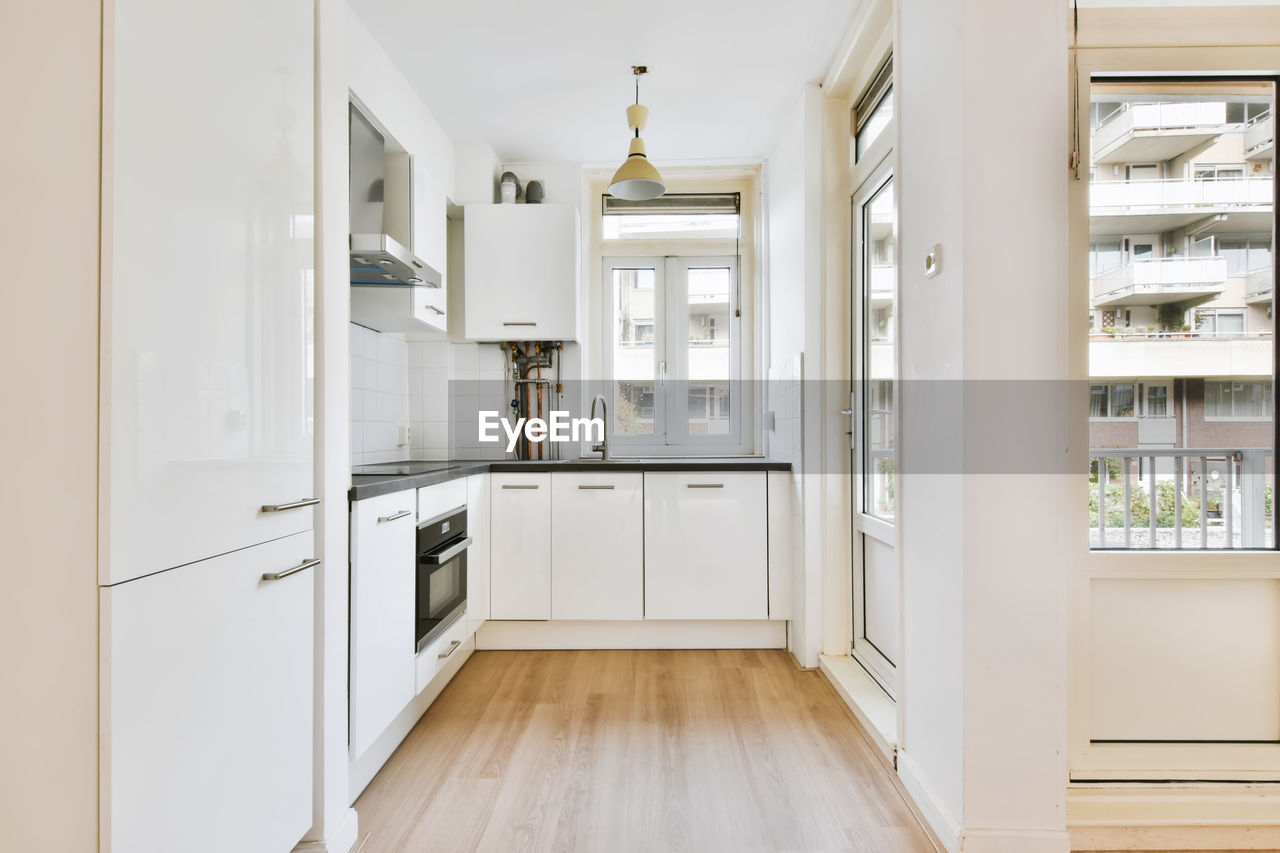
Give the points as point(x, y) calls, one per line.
point(637, 179)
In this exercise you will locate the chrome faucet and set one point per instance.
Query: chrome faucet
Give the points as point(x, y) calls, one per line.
point(603, 447)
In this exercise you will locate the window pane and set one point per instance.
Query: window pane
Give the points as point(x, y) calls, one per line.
point(1191, 300)
point(875, 124)
point(635, 360)
point(656, 226)
point(879, 301)
point(710, 290)
point(1157, 401)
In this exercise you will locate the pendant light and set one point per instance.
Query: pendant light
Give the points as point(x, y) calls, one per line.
point(637, 179)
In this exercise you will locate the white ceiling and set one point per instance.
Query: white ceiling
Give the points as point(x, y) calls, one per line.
point(551, 80)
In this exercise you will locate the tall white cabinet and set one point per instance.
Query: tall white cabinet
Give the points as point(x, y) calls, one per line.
point(206, 421)
point(208, 186)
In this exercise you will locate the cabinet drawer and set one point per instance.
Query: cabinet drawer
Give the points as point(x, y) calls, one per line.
point(597, 550)
point(207, 704)
point(436, 500)
point(706, 545)
point(440, 653)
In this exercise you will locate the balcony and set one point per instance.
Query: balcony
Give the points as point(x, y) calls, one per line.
point(1179, 354)
point(1258, 286)
point(1153, 133)
point(1180, 498)
point(1259, 137)
point(1160, 281)
point(1137, 207)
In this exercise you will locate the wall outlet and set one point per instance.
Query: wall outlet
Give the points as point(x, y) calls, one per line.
point(403, 435)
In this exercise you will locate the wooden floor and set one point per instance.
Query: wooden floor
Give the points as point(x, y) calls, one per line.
point(606, 751)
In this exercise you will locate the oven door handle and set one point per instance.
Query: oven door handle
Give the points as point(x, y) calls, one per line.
point(435, 558)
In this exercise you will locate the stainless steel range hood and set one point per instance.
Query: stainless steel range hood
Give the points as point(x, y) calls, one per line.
point(381, 212)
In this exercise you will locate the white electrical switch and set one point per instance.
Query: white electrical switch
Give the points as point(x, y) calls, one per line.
point(933, 260)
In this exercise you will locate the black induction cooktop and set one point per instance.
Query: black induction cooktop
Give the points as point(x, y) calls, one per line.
point(394, 469)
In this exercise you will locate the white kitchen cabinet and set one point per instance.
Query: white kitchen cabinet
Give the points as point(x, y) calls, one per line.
point(597, 550)
point(208, 704)
point(520, 555)
point(400, 309)
point(383, 576)
point(705, 545)
point(207, 279)
point(478, 553)
point(522, 272)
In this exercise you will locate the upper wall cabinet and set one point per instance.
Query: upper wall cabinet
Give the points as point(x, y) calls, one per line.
point(522, 272)
point(207, 277)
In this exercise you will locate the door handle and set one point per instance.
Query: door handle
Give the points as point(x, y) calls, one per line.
point(453, 647)
point(399, 515)
point(595, 487)
point(511, 486)
point(435, 309)
point(299, 504)
point(435, 558)
point(848, 412)
point(275, 576)
point(705, 485)
point(519, 323)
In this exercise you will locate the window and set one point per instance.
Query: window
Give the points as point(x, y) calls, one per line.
point(675, 354)
point(1190, 302)
point(1231, 399)
point(1218, 171)
point(1216, 323)
point(874, 110)
point(674, 215)
point(879, 458)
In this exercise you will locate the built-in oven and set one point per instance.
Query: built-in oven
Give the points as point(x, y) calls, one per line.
point(441, 587)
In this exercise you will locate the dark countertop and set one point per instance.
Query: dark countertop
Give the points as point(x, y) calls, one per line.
point(370, 486)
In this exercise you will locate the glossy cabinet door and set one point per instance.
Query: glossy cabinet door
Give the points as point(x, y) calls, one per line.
point(705, 545)
point(383, 580)
point(207, 272)
point(597, 550)
point(520, 555)
point(522, 272)
point(208, 705)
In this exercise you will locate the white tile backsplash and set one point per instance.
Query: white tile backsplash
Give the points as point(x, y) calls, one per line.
point(434, 387)
point(379, 396)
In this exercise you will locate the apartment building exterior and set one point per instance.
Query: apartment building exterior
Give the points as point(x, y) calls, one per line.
point(1181, 349)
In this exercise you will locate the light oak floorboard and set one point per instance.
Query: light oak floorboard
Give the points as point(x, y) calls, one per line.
point(623, 751)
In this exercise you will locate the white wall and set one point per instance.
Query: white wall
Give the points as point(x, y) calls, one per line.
point(49, 376)
point(793, 208)
point(984, 721)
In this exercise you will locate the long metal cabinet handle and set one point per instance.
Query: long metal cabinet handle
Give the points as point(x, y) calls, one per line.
point(435, 309)
point(435, 558)
point(517, 486)
point(706, 485)
point(275, 576)
point(595, 487)
point(453, 647)
point(519, 323)
point(399, 515)
point(291, 505)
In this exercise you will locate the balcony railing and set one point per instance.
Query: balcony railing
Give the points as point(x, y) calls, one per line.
point(1117, 196)
point(1140, 117)
point(1160, 274)
point(1170, 498)
point(1259, 134)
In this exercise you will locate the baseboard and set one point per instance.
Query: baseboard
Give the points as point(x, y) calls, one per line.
point(341, 840)
point(941, 823)
point(870, 705)
point(1178, 816)
point(981, 840)
point(632, 635)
